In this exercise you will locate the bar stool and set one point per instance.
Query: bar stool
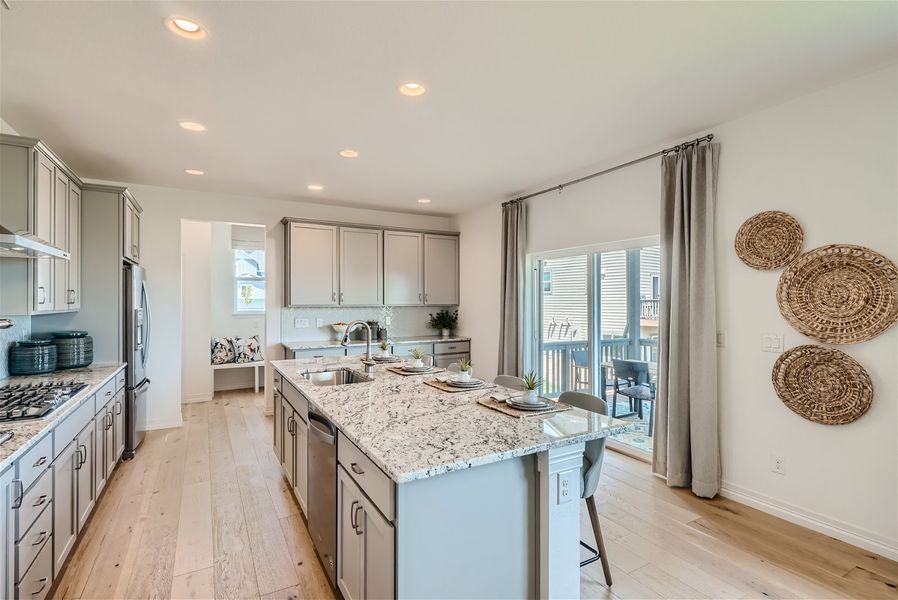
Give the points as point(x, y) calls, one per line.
point(592, 468)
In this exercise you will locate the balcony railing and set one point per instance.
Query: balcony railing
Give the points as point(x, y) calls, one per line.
point(565, 363)
point(649, 309)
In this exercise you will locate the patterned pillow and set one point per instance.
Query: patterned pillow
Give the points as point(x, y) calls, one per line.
point(248, 349)
point(222, 350)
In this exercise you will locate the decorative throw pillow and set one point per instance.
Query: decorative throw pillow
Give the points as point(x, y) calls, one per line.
point(248, 349)
point(222, 350)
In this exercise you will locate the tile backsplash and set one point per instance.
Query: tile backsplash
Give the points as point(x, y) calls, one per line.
point(404, 320)
point(20, 330)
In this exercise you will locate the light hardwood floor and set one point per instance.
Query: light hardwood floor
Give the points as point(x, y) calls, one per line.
point(203, 512)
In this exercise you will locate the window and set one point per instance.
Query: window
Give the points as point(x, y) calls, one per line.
point(547, 281)
point(249, 281)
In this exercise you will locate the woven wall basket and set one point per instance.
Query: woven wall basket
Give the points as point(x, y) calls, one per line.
point(822, 384)
point(839, 294)
point(769, 240)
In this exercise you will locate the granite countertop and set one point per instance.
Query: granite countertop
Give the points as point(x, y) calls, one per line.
point(26, 433)
point(413, 431)
point(414, 339)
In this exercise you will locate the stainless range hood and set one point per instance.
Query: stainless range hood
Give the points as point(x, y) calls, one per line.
point(23, 245)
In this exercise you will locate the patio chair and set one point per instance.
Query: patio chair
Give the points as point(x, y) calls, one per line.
point(592, 468)
point(580, 358)
point(638, 387)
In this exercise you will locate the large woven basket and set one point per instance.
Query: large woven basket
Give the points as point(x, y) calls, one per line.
point(822, 384)
point(839, 294)
point(769, 240)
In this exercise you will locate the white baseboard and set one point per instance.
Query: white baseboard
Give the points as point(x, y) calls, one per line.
point(151, 425)
point(189, 399)
point(851, 534)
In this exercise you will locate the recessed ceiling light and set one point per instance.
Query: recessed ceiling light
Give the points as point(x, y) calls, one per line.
point(315, 187)
point(348, 153)
point(186, 28)
point(412, 88)
point(194, 172)
point(192, 126)
point(423, 200)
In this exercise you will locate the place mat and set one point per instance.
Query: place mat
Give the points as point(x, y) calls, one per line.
point(399, 371)
point(503, 407)
point(451, 388)
point(769, 240)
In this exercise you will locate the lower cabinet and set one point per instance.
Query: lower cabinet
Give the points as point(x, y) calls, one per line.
point(85, 492)
point(278, 427)
point(99, 457)
point(118, 428)
point(365, 544)
point(289, 435)
point(7, 533)
point(65, 503)
point(301, 461)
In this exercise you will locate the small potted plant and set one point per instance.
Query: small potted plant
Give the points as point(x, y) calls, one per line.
point(531, 388)
point(445, 321)
point(464, 369)
point(417, 357)
point(384, 348)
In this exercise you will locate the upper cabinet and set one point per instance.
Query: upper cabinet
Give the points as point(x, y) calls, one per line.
point(131, 228)
point(39, 196)
point(336, 265)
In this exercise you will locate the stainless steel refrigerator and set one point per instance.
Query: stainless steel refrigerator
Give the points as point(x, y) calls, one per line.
point(137, 346)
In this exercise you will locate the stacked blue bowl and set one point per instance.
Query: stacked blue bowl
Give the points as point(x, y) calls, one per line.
point(74, 349)
point(32, 357)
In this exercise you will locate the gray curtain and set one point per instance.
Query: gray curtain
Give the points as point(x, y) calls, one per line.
point(511, 316)
point(687, 450)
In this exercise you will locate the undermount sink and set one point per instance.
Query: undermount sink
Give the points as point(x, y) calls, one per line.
point(333, 377)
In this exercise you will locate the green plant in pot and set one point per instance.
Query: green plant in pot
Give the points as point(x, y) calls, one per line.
point(464, 369)
point(384, 348)
point(417, 357)
point(444, 320)
point(532, 383)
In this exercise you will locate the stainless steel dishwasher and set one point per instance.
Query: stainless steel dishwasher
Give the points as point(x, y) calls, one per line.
point(323, 490)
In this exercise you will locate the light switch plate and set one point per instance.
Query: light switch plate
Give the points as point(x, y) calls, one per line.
point(319, 322)
point(300, 323)
point(567, 486)
point(721, 339)
point(772, 342)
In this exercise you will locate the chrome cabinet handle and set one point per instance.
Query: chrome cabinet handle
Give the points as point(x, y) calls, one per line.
point(41, 294)
point(42, 460)
point(78, 459)
point(358, 525)
point(333, 296)
point(341, 297)
point(352, 515)
point(108, 393)
point(425, 297)
point(17, 503)
point(43, 581)
point(40, 501)
point(356, 469)
point(419, 297)
point(118, 407)
point(43, 535)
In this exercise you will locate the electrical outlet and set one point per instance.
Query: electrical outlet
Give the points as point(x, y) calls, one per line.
point(772, 342)
point(300, 323)
point(388, 320)
point(778, 464)
point(721, 339)
point(319, 322)
point(567, 487)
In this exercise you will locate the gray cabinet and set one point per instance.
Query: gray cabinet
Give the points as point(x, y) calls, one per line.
point(60, 239)
point(295, 443)
point(350, 574)
point(131, 229)
point(65, 503)
point(301, 461)
point(289, 435)
point(278, 426)
point(7, 534)
point(403, 268)
point(85, 493)
point(440, 269)
point(44, 194)
point(99, 455)
point(73, 265)
point(311, 269)
point(361, 267)
point(118, 425)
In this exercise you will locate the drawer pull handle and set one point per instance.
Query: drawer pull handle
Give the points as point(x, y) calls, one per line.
point(357, 469)
point(42, 460)
point(17, 503)
point(358, 525)
point(41, 500)
point(108, 392)
point(352, 515)
point(43, 581)
point(43, 535)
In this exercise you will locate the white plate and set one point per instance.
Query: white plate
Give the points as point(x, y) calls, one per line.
point(386, 359)
point(528, 406)
point(424, 369)
point(474, 383)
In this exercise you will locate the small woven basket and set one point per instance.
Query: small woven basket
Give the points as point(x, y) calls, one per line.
point(769, 240)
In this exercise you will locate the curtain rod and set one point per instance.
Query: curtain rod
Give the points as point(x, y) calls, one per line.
point(561, 186)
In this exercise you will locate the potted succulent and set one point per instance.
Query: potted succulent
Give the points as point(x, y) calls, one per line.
point(417, 357)
point(445, 321)
point(464, 369)
point(384, 348)
point(531, 388)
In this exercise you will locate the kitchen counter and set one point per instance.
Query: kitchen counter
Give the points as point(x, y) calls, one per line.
point(418, 339)
point(26, 433)
point(413, 431)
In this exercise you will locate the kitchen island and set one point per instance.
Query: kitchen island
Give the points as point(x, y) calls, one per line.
point(436, 495)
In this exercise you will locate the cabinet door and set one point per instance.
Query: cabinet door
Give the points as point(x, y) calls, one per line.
point(127, 224)
point(278, 428)
point(361, 267)
point(378, 555)
point(403, 264)
point(7, 534)
point(60, 239)
point(118, 425)
point(301, 479)
point(440, 269)
point(73, 266)
point(44, 189)
point(109, 442)
point(135, 236)
point(85, 490)
point(311, 265)
point(65, 504)
point(99, 454)
point(289, 443)
point(350, 548)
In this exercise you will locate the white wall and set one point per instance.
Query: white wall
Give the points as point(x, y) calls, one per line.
point(828, 158)
point(6, 128)
point(164, 208)
point(196, 290)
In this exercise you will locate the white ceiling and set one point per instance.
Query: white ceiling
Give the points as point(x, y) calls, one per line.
point(517, 93)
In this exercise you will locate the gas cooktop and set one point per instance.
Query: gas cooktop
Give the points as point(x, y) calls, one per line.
point(22, 401)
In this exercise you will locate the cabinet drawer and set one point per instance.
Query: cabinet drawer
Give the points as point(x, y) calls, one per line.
point(402, 350)
point(319, 352)
point(104, 395)
point(296, 400)
point(451, 347)
point(34, 462)
point(71, 426)
point(32, 542)
point(374, 482)
point(33, 502)
point(37, 581)
point(276, 379)
point(120, 380)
